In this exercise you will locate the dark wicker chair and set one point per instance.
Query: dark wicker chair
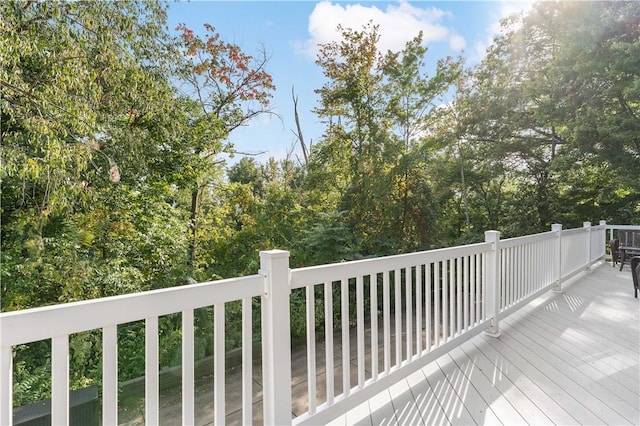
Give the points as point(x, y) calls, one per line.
point(615, 252)
point(635, 273)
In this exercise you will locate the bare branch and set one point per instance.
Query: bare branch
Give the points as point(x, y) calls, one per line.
point(299, 134)
point(249, 153)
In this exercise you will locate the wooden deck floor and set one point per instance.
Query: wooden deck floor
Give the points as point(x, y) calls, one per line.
point(569, 358)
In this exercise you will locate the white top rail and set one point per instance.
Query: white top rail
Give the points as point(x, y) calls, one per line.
point(574, 231)
point(624, 227)
point(312, 275)
point(31, 325)
point(528, 239)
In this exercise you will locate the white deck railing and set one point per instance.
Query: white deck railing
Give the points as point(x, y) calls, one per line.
point(433, 298)
point(408, 310)
point(60, 321)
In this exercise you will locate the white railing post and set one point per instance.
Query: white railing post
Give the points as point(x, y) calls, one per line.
point(492, 282)
point(276, 338)
point(587, 225)
point(110, 375)
point(6, 384)
point(557, 228)
point(603, 250)
point(152, 372)
point(60, 380)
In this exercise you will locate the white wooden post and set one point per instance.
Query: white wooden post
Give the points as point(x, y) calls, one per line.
point(587, 225)
point(60, 380)
point(152, 372)
point(110, 375)
point(6, 383)
point(557, 228)
point(610, 234)
point(492, 282)
point(276, 338)
point(188, 364)
point(603, 252)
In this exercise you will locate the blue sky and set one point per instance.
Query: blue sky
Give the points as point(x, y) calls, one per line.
point(289, 31)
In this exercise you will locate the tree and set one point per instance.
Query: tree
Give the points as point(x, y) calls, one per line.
point(378, 109)
point(352, 105)
point(604, 99)
point(545, 102)
point(227, 89)
point(85, 90)
point(70, 128)
point(415, 105)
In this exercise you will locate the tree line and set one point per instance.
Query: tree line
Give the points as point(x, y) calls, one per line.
point(113, 130)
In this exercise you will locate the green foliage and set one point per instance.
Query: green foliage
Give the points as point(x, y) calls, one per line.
point(564, 124)
point(31, 372)
point(328, 240)
point(377, 110)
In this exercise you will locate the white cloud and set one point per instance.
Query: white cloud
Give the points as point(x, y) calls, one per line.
point(457, 42)
point(506, 9)
point(479, 50)
point(398, 23)
point(510, 7)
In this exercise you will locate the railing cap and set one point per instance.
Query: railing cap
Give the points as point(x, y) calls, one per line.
point(491, 235)
point(277, 254)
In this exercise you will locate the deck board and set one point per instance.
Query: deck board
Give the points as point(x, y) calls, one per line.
point(508, 389)
point(558, 388)
point(496, 402)
point(404, 404)
point(359, 416)
point(381, 408)
point(504, 370)
point(579, 362)
point(571, 350)
point(466, 390)
point(425, 400)
point(448, 398)
point(592, 348)
point(565, 358)
point(584, 391)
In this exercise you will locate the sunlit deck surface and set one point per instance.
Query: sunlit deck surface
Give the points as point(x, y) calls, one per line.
point(569, 358)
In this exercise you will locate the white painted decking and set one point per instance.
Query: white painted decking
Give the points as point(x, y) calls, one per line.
point(569, 358)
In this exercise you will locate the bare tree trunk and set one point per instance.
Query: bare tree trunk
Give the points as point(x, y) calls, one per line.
point(305, 152)
point(193, 225)
point(464, 187)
